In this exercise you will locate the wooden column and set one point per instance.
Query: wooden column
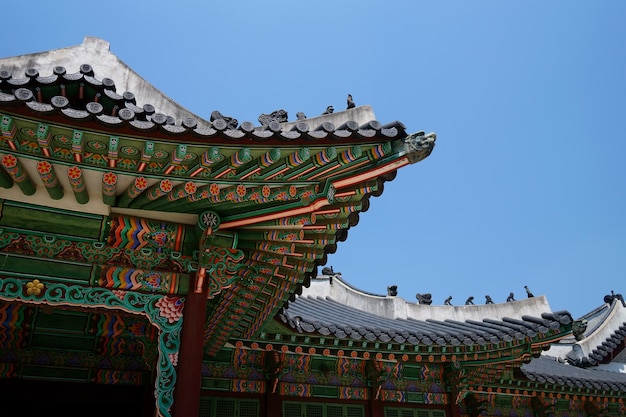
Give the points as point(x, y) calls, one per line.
point(273, 403)
point(189, 368)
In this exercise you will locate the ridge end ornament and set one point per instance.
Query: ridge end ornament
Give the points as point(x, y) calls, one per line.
point(419, 145)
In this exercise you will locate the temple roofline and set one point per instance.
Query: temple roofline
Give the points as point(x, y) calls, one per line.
point(396, 307)
point(606, 324)
point(95, 52)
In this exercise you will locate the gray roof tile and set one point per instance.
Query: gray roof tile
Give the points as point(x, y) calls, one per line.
point(326, 316)
point(544, 369)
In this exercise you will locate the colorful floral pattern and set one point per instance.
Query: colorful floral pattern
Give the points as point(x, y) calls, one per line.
point(9, 161)
point(74, 172)
point(190, 187)
point(109, 178)
point(171, 308)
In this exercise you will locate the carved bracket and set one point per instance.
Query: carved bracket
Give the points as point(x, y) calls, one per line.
point(221, 266)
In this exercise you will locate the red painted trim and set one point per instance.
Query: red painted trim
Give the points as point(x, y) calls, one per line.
point(320, 202)
point(368, 175)
point(196, 172)
point(279, 215)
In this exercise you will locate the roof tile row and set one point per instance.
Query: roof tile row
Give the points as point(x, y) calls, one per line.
point(547, 370)
point(328, 317)
point(103, 104)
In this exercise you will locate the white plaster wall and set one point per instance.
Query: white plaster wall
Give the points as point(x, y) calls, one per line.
point(96, 52)
point(397, 307)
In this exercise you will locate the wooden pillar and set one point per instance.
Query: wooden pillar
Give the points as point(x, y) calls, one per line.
point(376, 408)
point(189, 368)
point(273, 402)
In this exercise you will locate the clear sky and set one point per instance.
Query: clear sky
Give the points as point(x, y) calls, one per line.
point(526, 185)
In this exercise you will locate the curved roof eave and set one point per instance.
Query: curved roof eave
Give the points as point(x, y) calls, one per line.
point(331, 307)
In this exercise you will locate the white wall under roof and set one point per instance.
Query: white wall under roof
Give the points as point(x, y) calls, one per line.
point(398, 308)
point(96, 52)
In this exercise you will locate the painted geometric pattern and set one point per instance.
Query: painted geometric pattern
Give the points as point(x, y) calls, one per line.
point(296, 374)
point(137, 279)
point(12, 320)
point(244, 364)
point(128, 336)
point(188, 160)
point(50, 247)
point(136, 233)
point(426, 398)
point(119, 342)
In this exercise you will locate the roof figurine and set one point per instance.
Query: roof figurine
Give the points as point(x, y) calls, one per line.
point(231, 122)
point(277, 116)
point(609, 298)
point(350, 102)
point(425, 299)
point(488, 299)
point(392, 290)
point(329, 110)
point(447, 301)
point(510, 298)
point(528, 293)
point(469, 301)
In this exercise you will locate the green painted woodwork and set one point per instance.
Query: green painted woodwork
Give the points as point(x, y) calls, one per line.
point(322, 364)
point(55, 373)
point(54, 221)
point(72, 322)
point(412, 412)
point(310, 409)
point(5, 179)
point(229, 407)
point(37, 268)
point(18, 174)
point(183, 160)
point(216, 384)
point(320, 391)
point(68, 342)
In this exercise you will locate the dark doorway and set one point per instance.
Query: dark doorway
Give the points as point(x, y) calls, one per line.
point(29, 398)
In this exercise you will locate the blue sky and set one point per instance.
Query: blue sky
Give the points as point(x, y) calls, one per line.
point(526, 183)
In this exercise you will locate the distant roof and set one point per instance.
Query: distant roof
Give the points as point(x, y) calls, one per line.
point(548, 370)
point(603, 341)
point(331, 307)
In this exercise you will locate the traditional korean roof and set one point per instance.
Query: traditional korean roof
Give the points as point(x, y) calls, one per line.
point(330, 307)
point(83, 133)
point(590, 360)
point(601, 342)
point(551, 371)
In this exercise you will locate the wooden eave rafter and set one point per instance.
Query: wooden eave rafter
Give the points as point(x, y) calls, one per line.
point(301, 188)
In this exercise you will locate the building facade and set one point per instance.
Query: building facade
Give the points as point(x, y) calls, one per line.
point(156, 263)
